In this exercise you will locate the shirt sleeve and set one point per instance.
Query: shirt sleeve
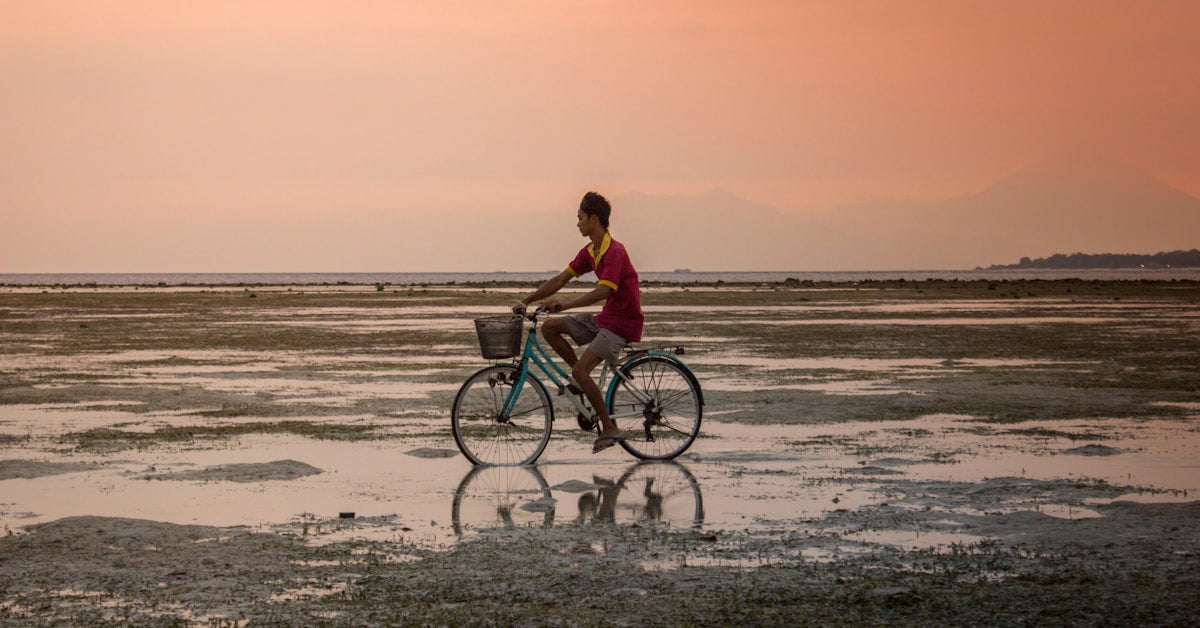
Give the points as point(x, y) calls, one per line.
point(581, 264)
point(612, 268)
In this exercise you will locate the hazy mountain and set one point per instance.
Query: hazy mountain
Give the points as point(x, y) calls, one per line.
point(1069, 203)
point(1061, 205)
point(718, 230)
point(1065, 204)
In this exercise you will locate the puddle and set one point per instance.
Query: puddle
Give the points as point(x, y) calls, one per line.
point(916, 540)
point(1067, 512)
point(960, 321)
point(836, 487)
point(380, 387)
point(363, 326)
point(821, 363)
point(745, 478)
point(849, 387)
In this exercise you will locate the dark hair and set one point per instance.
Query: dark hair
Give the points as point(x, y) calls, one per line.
point(595, 205)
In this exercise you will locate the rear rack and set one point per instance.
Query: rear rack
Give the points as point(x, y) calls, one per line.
point(676, 349)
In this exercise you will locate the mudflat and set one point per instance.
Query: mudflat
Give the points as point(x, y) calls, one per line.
point(933, 452)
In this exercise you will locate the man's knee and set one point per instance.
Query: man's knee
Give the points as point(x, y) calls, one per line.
point(553, 327)
point(584, 367)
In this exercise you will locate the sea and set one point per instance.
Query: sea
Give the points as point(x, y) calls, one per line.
point(669, 277)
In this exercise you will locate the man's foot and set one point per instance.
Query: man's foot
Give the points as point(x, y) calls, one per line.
point(604, 442)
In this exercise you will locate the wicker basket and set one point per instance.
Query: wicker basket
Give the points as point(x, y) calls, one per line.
point(499, 336)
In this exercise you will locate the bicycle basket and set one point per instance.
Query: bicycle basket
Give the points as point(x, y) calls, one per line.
point(499, 336)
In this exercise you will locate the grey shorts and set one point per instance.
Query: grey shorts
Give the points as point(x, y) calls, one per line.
point(602, 342)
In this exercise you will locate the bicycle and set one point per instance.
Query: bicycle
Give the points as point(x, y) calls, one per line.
point(503, 413)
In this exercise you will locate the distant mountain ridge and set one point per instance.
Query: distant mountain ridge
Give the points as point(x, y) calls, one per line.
point(1069, 202)
point(1172, 259)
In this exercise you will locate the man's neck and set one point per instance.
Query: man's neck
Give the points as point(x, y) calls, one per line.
point(597, 239)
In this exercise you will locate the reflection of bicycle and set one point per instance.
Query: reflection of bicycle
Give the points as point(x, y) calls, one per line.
point(648, 492)
point(503, 413)
point(508, 496)
point(495, 496)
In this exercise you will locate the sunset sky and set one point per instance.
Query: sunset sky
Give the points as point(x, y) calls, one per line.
point(367, 135)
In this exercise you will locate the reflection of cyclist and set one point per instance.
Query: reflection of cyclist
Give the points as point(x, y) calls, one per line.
point(601, 506)
point(654, 502)
point(619, 321)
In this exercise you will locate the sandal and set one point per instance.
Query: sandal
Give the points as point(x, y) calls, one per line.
point(604, 442)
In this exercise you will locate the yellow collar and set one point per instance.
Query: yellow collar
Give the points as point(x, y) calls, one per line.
point(604, 244)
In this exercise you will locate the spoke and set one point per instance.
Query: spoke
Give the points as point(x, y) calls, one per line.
point(658, 385)
point(511, 439)
point(525, 412)
point(668, 425)
point(680, 394)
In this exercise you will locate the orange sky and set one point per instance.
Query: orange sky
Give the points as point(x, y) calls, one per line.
point(131, 130)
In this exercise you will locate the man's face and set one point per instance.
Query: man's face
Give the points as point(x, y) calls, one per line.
point(585, 222)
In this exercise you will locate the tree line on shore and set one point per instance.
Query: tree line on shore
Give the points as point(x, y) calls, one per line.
point(1171, 259)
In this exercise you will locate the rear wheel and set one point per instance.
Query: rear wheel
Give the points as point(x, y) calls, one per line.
point(661, 404)
point(485, 434)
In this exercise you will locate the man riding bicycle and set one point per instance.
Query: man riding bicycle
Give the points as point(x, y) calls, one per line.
point(605, 334)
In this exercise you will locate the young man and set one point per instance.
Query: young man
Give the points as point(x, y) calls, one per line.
point(619, 321)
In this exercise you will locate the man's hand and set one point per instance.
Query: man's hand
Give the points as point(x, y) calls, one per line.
point(519, 308)
point(553, 305)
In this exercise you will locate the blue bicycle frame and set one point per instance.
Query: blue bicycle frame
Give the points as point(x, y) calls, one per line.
point(535, 354)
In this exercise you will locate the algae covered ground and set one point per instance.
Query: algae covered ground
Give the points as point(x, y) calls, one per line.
point(938, 452)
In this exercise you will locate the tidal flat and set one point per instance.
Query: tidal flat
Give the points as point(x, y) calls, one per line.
point(938, 452)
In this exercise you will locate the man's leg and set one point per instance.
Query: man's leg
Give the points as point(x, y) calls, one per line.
point(555, 333)
point(582, 372)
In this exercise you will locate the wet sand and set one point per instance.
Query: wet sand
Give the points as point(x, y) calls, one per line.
point(936, 452)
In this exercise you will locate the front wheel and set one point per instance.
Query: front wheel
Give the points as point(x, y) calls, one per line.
point(657, 405)
point(485, 433)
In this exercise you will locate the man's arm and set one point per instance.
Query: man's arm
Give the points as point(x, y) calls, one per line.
point(552, 285)
point(598, 294)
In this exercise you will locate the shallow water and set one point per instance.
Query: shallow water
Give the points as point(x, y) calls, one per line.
point(768, 479)
point(738, 477)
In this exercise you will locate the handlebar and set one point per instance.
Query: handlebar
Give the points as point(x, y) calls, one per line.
point(524, 311)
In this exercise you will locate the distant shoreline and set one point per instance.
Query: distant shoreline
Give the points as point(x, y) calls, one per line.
point(510, 279)
point(1181, 260)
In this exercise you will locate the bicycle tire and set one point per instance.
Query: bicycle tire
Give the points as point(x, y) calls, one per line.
point(487, 437)
point(668, 424)
point(669, 494)
point(499, 497)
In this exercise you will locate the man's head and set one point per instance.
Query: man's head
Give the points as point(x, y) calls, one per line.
point(595, 205)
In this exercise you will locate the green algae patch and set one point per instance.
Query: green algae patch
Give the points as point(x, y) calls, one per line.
point(109, 439)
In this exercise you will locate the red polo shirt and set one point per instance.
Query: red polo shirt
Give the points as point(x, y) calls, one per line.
point(622, 311)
